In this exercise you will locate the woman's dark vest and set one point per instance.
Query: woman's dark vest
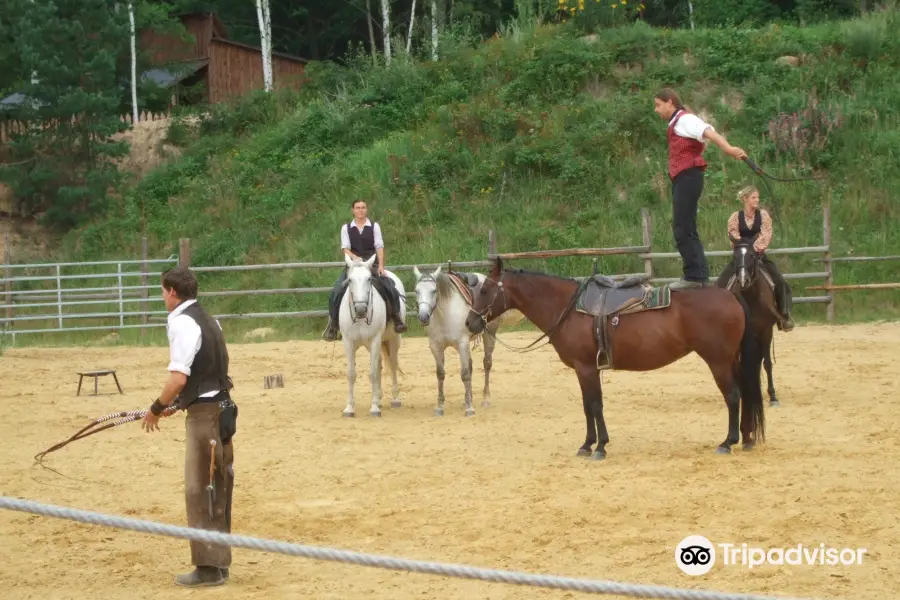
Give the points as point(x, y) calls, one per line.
point(209, 371)
point(362, 243)
point(750, 235)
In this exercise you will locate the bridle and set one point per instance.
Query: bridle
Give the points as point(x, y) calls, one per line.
point(485, 314)
point(355, 302)
point(746, 275)
point(428, 277)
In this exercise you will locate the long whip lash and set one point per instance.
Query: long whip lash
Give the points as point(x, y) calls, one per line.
point(110, 420)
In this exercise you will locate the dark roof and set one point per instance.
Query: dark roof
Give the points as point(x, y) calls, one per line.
point(257, 49)
point(167, 76)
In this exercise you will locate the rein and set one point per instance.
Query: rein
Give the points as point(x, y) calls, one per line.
point(549, 333)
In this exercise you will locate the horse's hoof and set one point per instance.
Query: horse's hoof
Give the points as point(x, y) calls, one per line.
point(396, 404)
point(439, 412)
point(599, 455)
point(470, 412)
point(748, 446)
point(349, 414)
point(375, 413)
point(583, 452)
point(485, 404)
point(723, 450)
point(774, 403)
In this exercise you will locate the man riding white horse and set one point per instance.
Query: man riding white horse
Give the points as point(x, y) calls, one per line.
point(361, 238)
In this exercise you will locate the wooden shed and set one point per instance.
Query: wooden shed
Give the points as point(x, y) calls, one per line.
point(228, 69)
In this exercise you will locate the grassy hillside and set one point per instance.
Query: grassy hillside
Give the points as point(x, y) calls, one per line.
point(545, 136)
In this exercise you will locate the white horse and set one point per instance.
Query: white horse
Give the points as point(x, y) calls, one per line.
point(443, 311)
point(363, 321)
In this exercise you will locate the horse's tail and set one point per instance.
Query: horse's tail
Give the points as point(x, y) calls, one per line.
point(748, 376)
point(386, 356)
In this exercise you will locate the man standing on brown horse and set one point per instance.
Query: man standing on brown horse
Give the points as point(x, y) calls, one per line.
point(687, 134)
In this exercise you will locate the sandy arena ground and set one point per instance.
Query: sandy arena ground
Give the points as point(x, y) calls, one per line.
point(503, 489)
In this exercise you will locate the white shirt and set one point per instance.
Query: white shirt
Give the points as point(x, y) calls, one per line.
point(690, 126)
point(184, 341)
point(345, 234)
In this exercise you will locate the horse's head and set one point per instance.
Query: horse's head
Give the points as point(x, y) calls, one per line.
point(359, 284)
point(426, 293)
point(745, 260)
point(488, 301)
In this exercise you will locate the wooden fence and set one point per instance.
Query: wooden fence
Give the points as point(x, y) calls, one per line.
point(60, 296)
point(9, 128)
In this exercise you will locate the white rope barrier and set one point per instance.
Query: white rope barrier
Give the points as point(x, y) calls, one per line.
point(373, 560)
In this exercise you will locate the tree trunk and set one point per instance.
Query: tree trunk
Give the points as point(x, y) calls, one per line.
point(386, 20)
point(412, 18)
point(265, 37)
point(134, 101)
point(371, 32)
point(434, 30)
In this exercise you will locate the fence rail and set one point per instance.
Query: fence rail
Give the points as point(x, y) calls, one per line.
point(124, 294)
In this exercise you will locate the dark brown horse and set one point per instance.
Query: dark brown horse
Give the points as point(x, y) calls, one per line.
point(749, 283)
point(709, 321)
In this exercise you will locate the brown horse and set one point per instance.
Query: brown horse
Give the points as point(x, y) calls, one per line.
point(644, 336)
point(747, 281)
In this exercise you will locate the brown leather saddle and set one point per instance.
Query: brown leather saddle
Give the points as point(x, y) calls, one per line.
point(605, 299)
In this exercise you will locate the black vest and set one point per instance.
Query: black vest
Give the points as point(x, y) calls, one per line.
point(209, 371)
point(362, 243)
point(750, 234)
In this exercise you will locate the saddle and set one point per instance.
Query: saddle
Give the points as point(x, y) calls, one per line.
point(465, 283)
point(605, 299)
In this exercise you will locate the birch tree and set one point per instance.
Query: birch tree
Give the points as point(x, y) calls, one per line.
point(134, 102)
point(434, 30)
point(412, 18)
point(265, 35)
point(386, 22)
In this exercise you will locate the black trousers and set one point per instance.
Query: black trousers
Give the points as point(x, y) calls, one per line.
point(783, 293)
point(686, 190)
point(337, 293)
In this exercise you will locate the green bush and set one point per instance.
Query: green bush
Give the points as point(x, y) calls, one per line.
point(545, 137)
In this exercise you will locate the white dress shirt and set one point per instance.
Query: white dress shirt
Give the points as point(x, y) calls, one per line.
point(345, 234)
point(690, 126)
point(184, 341)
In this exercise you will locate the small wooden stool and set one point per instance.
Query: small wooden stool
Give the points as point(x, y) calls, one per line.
point(97, 374)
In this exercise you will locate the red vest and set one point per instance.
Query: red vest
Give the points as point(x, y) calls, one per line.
point(684, 153)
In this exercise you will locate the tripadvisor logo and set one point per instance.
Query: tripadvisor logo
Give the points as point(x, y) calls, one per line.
point(696, 555)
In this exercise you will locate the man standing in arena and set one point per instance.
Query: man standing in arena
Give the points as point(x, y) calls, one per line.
point(198, 377)
point(687, 135)
point(361, 238)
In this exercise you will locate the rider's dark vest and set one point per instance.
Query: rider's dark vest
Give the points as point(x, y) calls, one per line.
point(362, 243)
point(209, 371)
point(750, 235)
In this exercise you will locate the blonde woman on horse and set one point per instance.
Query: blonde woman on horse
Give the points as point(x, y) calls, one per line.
point(753, 225)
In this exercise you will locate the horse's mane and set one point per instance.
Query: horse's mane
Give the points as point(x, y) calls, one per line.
point(445, 288)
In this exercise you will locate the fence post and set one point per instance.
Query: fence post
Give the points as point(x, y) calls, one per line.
point(492, 242)
point(59, 295)
point(7, 273)
point(144, 291)
point(121, 304)
point(647, 239)
point(184, 252)
point(829, 265)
